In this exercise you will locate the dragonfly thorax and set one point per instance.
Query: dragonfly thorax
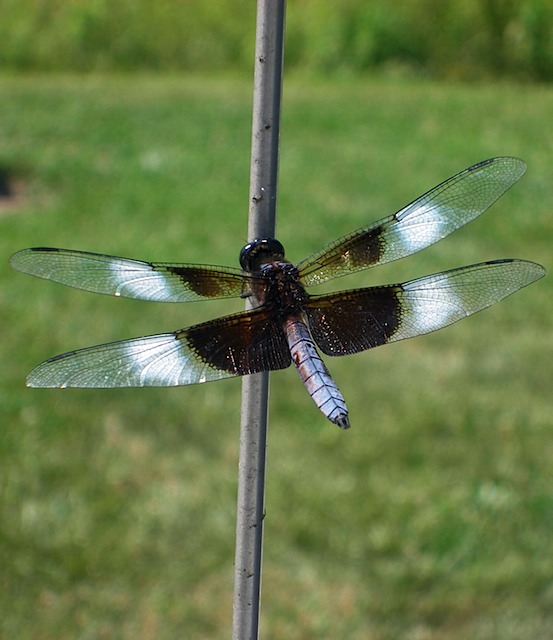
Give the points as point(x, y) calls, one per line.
point(282, 287)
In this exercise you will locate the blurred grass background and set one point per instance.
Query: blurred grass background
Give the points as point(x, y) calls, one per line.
point(474, 38)
point(431, 518)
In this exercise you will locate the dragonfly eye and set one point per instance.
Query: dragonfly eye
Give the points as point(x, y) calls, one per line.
point(260, 251)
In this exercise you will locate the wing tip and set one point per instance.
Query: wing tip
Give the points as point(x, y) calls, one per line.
point(513, 160)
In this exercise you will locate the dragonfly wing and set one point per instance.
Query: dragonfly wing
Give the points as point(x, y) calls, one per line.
point(428, 219)
point(155, 281)
point(352, 321)
point(235, 345)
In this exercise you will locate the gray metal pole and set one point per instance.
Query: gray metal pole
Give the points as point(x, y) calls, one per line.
point(269, 48)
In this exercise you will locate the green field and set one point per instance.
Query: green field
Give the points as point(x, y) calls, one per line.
point(431, 519)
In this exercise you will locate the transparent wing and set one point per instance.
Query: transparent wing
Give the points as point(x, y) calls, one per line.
point(234, 345)
point(428, 219)
point(156, 281)
point(352, 321)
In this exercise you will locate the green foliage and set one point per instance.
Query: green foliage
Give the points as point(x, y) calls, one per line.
point(463, 39)
point(431, 518)
point(124, 34)
point(470, 39)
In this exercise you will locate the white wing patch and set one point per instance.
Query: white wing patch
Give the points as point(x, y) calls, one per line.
point(163, 360)
point(417, 232)
point(140, 281)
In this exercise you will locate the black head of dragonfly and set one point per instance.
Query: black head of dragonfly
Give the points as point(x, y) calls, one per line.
point(288, 324)
point(260, 251)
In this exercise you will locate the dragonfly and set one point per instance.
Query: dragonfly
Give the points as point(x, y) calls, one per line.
point(285, 324)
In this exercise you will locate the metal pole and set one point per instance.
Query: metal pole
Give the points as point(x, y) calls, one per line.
point(269, 48)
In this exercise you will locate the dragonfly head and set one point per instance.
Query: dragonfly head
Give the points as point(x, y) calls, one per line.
point(260, 251)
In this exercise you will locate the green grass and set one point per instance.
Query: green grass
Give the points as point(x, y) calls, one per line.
point(430, 519)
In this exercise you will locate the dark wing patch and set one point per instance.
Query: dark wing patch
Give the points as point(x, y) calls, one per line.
point(352, 321)
point(243, 343)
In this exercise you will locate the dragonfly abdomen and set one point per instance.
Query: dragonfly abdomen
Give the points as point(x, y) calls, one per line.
point(313, 372)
